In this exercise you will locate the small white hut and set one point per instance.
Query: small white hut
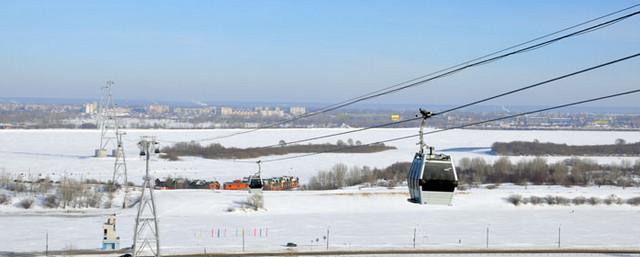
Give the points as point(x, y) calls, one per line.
point(110, 239)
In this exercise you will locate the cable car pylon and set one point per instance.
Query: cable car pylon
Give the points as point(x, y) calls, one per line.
point(146, 238)
point(432, 178)
point(120, 168)
point(106, 122)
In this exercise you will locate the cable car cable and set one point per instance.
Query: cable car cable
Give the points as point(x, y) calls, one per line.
point(451, 70)
point(461, 126)
point(471, 103)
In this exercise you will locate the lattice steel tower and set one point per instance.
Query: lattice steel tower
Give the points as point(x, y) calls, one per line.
point(120, 167)
point(146, 239)
point(106, 121)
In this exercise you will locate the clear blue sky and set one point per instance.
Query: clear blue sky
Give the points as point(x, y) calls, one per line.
point(305, 51)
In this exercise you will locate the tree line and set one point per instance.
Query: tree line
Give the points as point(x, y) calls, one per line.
point(217, 151)
point(476, 171)
point(578, 200)
point(620, 148)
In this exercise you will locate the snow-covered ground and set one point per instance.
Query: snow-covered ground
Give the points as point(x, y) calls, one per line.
point(68, 152)
point(356, 218)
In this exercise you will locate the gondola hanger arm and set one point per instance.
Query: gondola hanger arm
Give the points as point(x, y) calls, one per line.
point(425, 115)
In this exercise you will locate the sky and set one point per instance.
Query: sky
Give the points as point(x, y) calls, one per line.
point(309, 51)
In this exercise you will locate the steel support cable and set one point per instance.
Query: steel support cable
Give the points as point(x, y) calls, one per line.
point(575, 73)
point(458, 127)
point(451, 70)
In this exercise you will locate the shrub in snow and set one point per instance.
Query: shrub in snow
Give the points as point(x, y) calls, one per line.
point(613, 199)
point(110, 187)
point(26, 203)
point(550, 200)
point(515, 199)
point(562, 200)
point(255, 201)
point(491, 186)
point(580, 200)
point(94, 200)
point(594, 200)
point(51, 201)
point(535, 200)
point(17, 187)
point(170, 156)
point(634, 201)
point(5, 199)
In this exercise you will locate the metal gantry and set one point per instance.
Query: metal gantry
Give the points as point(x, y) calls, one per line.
point(120, 168)
point(106, 120)
point(146, 238)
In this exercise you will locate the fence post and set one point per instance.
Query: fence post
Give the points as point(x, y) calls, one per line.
point(559, 227)
point(487, 236)
point(327, 238)
point(414, 238)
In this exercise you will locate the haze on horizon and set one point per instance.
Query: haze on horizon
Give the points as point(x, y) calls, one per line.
point(308, 51)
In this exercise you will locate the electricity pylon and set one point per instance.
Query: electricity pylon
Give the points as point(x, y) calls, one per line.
point(120, 168)
point(106, 120)
point(146, 239)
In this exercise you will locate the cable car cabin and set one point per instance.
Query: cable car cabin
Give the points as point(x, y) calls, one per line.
point(432, 179)
point(255, 184)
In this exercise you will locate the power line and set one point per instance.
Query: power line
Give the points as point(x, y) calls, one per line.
point(461, 126)
point(451, 70)
point(472, 103)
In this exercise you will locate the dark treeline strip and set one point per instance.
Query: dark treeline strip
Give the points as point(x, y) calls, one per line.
point(578, 200)
point(542, 149)
point(476, 171)
point(217, 151)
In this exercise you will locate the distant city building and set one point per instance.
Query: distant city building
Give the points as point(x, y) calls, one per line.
point(10, 107)
point(37, 107)
point(157, 109)
point(600, 123)
point(268, 112)
point(121, 111)
point(91, 108)
point(226, 111)
point(297, 110)
point(194, 111)
point(244, 112)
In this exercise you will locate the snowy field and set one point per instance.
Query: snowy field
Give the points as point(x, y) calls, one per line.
point(68, 152)
point(194, 220)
